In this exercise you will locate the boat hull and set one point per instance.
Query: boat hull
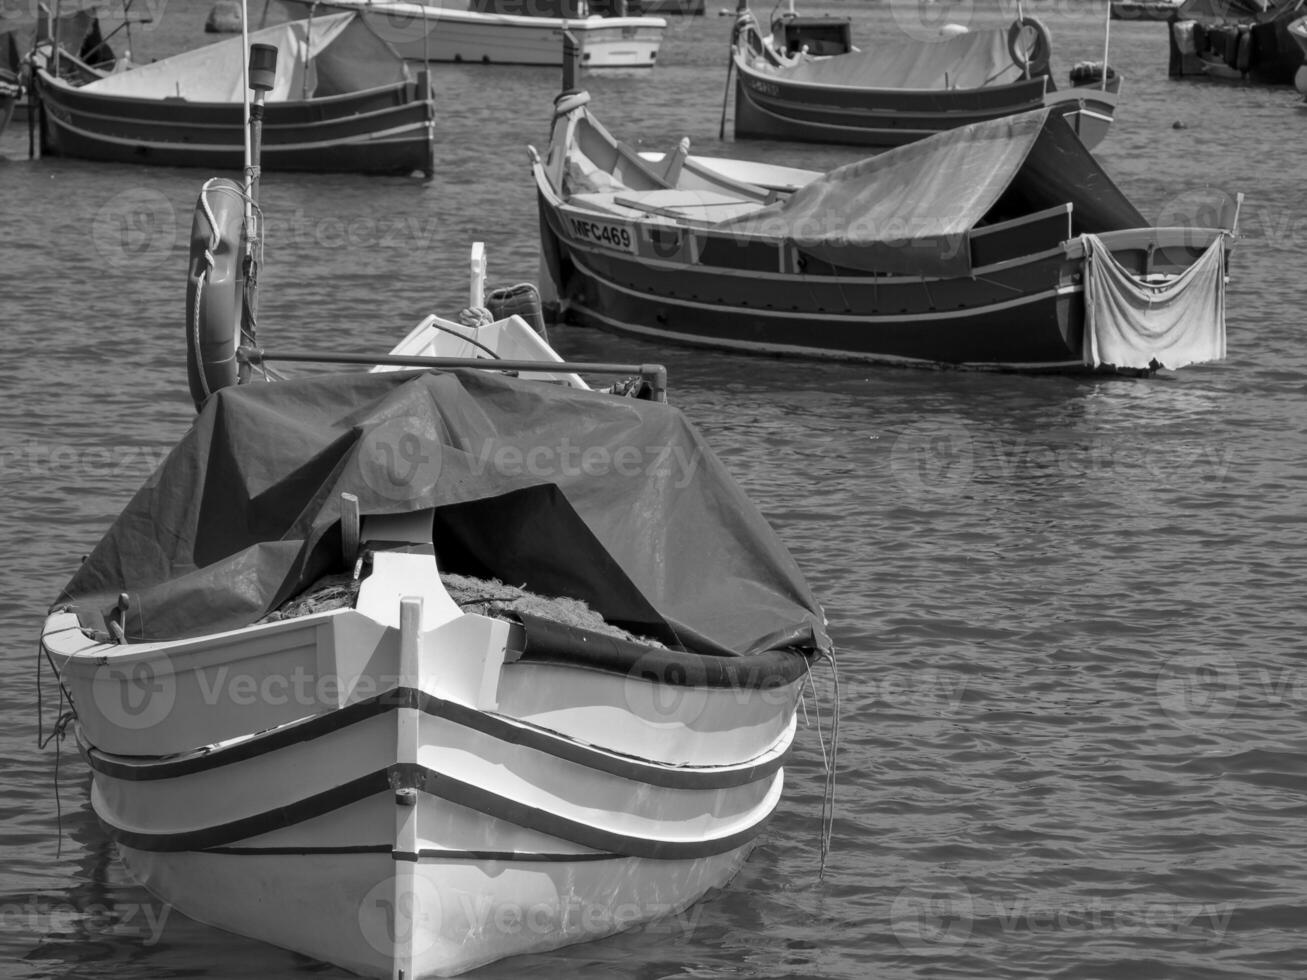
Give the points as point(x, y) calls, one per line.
point(433, 34)
point(769, 107)
point(425, 797)
point(386, 130)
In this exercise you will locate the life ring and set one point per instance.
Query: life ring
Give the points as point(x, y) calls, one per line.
point(215, 285)
point(1035, 61)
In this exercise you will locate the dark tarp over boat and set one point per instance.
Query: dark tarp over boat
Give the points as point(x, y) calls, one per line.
point(911, 210)
point(614, 501)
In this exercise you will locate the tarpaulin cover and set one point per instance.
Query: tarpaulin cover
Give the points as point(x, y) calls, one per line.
point(909, 211)
point(971, 60)
point(339, 53)
point(1132, 323)
point(614, 501)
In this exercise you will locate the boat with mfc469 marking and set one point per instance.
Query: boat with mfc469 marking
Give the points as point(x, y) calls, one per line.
point(1000, 245)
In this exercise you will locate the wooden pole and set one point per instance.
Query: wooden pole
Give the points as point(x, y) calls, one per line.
point(1107, 37)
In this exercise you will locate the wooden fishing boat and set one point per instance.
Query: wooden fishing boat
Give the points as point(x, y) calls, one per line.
point(899, 89)
point(346, 103)
point(1236, 40)
point(314, 714)
point(1000, 245)
point(510, 32)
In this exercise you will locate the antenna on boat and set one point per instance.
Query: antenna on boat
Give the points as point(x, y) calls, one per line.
point(1107, 36)
point(261, 75)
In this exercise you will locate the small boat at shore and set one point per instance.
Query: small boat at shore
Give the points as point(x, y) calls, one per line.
point(345, 103)
point(898, 89)
point(999, 245)
point(509, 32)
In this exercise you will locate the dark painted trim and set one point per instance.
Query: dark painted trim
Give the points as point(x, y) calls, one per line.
point(492, 805)
point(559, 746)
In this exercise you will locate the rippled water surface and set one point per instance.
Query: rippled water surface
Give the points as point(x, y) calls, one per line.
point(1070, 612)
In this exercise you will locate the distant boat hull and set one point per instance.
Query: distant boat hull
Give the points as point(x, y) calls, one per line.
point(1144, 9)
point(770, 108)
point(435, 34)
point(387, 130)
point(772, 102)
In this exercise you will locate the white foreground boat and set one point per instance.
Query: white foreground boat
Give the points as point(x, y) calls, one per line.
point(486, 32)
point(399, 784)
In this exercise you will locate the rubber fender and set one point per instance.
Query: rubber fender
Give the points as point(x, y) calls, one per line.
point(215, 285)
point(1042, 51)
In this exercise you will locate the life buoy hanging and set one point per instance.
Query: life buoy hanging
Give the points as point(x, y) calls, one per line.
point(1035, 57)
point(215, 287)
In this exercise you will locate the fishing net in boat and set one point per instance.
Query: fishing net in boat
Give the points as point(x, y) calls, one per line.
point(482, 597)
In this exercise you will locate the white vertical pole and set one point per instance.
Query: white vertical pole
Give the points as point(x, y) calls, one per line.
point(478, 274)
point(1107, 36)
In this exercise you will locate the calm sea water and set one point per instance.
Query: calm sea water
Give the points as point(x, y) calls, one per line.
point(1070, 613)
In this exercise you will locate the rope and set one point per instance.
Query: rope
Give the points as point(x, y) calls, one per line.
point(57, 733)
point(828, 762)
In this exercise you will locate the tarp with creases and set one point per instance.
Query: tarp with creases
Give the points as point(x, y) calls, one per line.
point(1134, 324)
point(614, 501)
point(910, 210)
point(972, 60)
point(327, 55)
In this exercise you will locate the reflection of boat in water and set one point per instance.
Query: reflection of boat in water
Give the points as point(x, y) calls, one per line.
point(1236, 39)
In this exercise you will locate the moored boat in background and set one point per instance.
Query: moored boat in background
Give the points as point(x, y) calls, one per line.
point(1000, 245)
point(507, 32)
point(1236, 40)
point(897, 89)
point(346, 102)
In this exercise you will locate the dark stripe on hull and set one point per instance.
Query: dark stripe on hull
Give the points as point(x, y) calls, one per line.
point(492, 805)
point(766, 109)
point(1013, 318)
point(210, 135)
point(558, 746)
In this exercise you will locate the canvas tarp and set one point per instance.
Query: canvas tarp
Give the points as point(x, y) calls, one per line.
point(971, 60)
point(1132, 324)
point(339, 52)
point(909, 211)
point(614, 501)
